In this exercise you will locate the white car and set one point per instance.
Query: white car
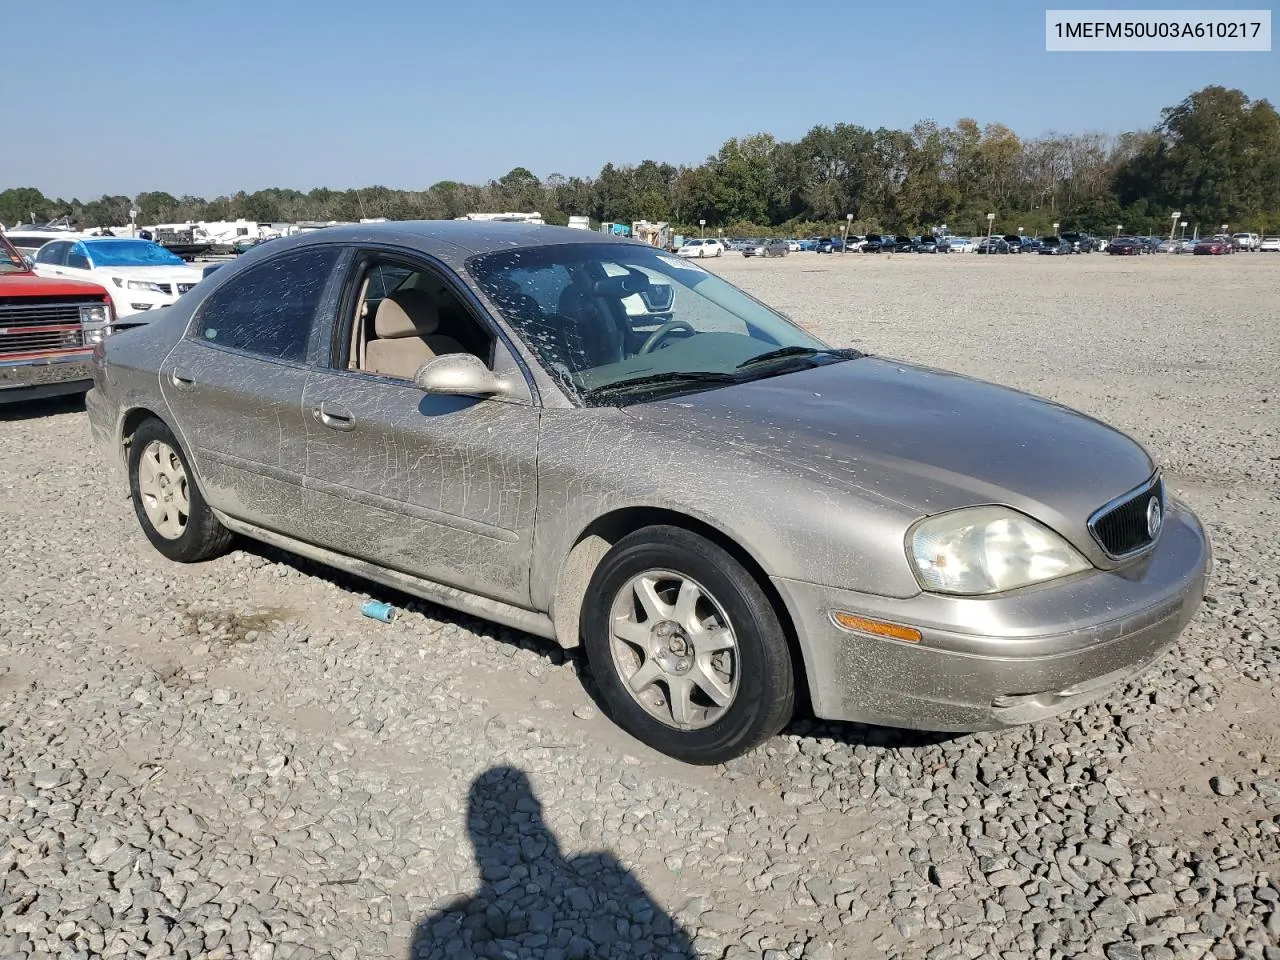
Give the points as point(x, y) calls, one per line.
point(1270, 245)
point(1246, 241)
point(701, 248)
point(960, 244)
point(793, 246)
point(139, 275)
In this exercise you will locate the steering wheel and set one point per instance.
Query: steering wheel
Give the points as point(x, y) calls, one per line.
point(664, 331)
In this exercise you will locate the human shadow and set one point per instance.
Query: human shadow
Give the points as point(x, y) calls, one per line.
point(536, 903)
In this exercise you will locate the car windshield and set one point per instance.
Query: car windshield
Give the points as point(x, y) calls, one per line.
point(130, 253)
point(10, 260)
point(617, 323)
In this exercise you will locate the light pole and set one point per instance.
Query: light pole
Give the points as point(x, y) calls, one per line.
point(1119, 226)
point(133, 227)
point(1177, 215)
point(1020, 229)
point(848, 222)
point(1183, 234)
point(1055, 229)
point(991, 222)
point(702, 228)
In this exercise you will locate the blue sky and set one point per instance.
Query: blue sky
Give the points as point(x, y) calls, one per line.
point(205, 98)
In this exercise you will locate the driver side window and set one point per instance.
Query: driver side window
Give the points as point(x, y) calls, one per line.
point(404, 315)
point(78, 258)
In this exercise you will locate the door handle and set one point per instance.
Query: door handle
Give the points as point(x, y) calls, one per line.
point(181, 380)
point(335, 418)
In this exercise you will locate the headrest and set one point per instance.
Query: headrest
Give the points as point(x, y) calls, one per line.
point(406, 313)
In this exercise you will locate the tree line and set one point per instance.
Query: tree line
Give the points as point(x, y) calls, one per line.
point(1214, 157)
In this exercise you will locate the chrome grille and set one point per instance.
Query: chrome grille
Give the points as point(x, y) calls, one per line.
point(38, 314)
point(33, 325)
point(1121, 527)
point(51, 338)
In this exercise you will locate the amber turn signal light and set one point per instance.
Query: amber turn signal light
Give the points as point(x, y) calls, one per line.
point(893, 631)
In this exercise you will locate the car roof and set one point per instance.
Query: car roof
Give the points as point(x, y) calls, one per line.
point(450, 236)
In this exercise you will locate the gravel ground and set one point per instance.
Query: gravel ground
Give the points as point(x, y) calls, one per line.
point(229, 761)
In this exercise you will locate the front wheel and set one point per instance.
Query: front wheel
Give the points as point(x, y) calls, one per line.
point(685, 647)
point(170, 508)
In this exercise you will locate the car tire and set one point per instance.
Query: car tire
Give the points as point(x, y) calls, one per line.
point(744, 649)
point(167, 500)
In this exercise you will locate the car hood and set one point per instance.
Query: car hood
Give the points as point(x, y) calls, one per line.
point(925, 439)
point(155, 274)
point(33, 285)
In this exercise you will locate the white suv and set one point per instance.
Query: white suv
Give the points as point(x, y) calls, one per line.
point(701, 248)
point(1246, 241)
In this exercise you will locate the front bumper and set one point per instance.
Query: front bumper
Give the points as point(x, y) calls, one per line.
point(986, 663)
point(48, 376)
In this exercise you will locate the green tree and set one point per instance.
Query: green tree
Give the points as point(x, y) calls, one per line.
point(22, 204)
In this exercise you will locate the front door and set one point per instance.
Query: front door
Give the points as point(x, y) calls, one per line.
point(235, 385)
point(442, 487)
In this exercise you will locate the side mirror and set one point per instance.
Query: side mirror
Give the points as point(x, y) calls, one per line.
point(460, 374)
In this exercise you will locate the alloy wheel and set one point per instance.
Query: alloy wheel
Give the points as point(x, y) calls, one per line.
point(164, 489)
point(674, 649)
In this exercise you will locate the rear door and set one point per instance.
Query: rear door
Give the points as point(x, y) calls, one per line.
point(234, 384)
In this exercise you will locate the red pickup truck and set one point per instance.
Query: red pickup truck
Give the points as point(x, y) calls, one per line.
point(48, 329)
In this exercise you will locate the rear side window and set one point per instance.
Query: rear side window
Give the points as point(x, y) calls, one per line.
point(54, 253)
point(268, 309)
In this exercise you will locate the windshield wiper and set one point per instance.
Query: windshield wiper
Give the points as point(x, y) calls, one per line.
point(798, 353)
point(673, 378)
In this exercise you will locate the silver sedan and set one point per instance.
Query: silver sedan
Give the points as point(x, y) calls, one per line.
point(723, 510)
point(766, 248)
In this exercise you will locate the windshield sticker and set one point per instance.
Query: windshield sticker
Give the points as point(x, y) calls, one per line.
point(680, 263)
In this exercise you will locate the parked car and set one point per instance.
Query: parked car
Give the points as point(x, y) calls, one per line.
point(992, 245)
point(793, 245)
point(767, 248)
point(1055, 246)
point(1246, 241)
point(829, 245)
point(700, 248)
point(138, 274)
point(809, 243)
point(1269, 245)
point(1125, 247)
point(48, 329)
point(1168, 246)
point(1014, 241)
point(876, 243)
point(1082, 242)
point(1214, 247)
point(1031, 245)
point(902, 244)
point(854, 244)
point(960, 245)
point(945, 553)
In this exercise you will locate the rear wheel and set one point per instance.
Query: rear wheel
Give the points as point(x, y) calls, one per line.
point(686, 648)
point(170, 508)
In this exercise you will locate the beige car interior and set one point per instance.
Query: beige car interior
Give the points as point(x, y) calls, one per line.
point(396, 333)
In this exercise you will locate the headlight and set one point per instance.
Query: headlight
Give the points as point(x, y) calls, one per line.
point(94, 313)
point(146, 285)
point(981, 550)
